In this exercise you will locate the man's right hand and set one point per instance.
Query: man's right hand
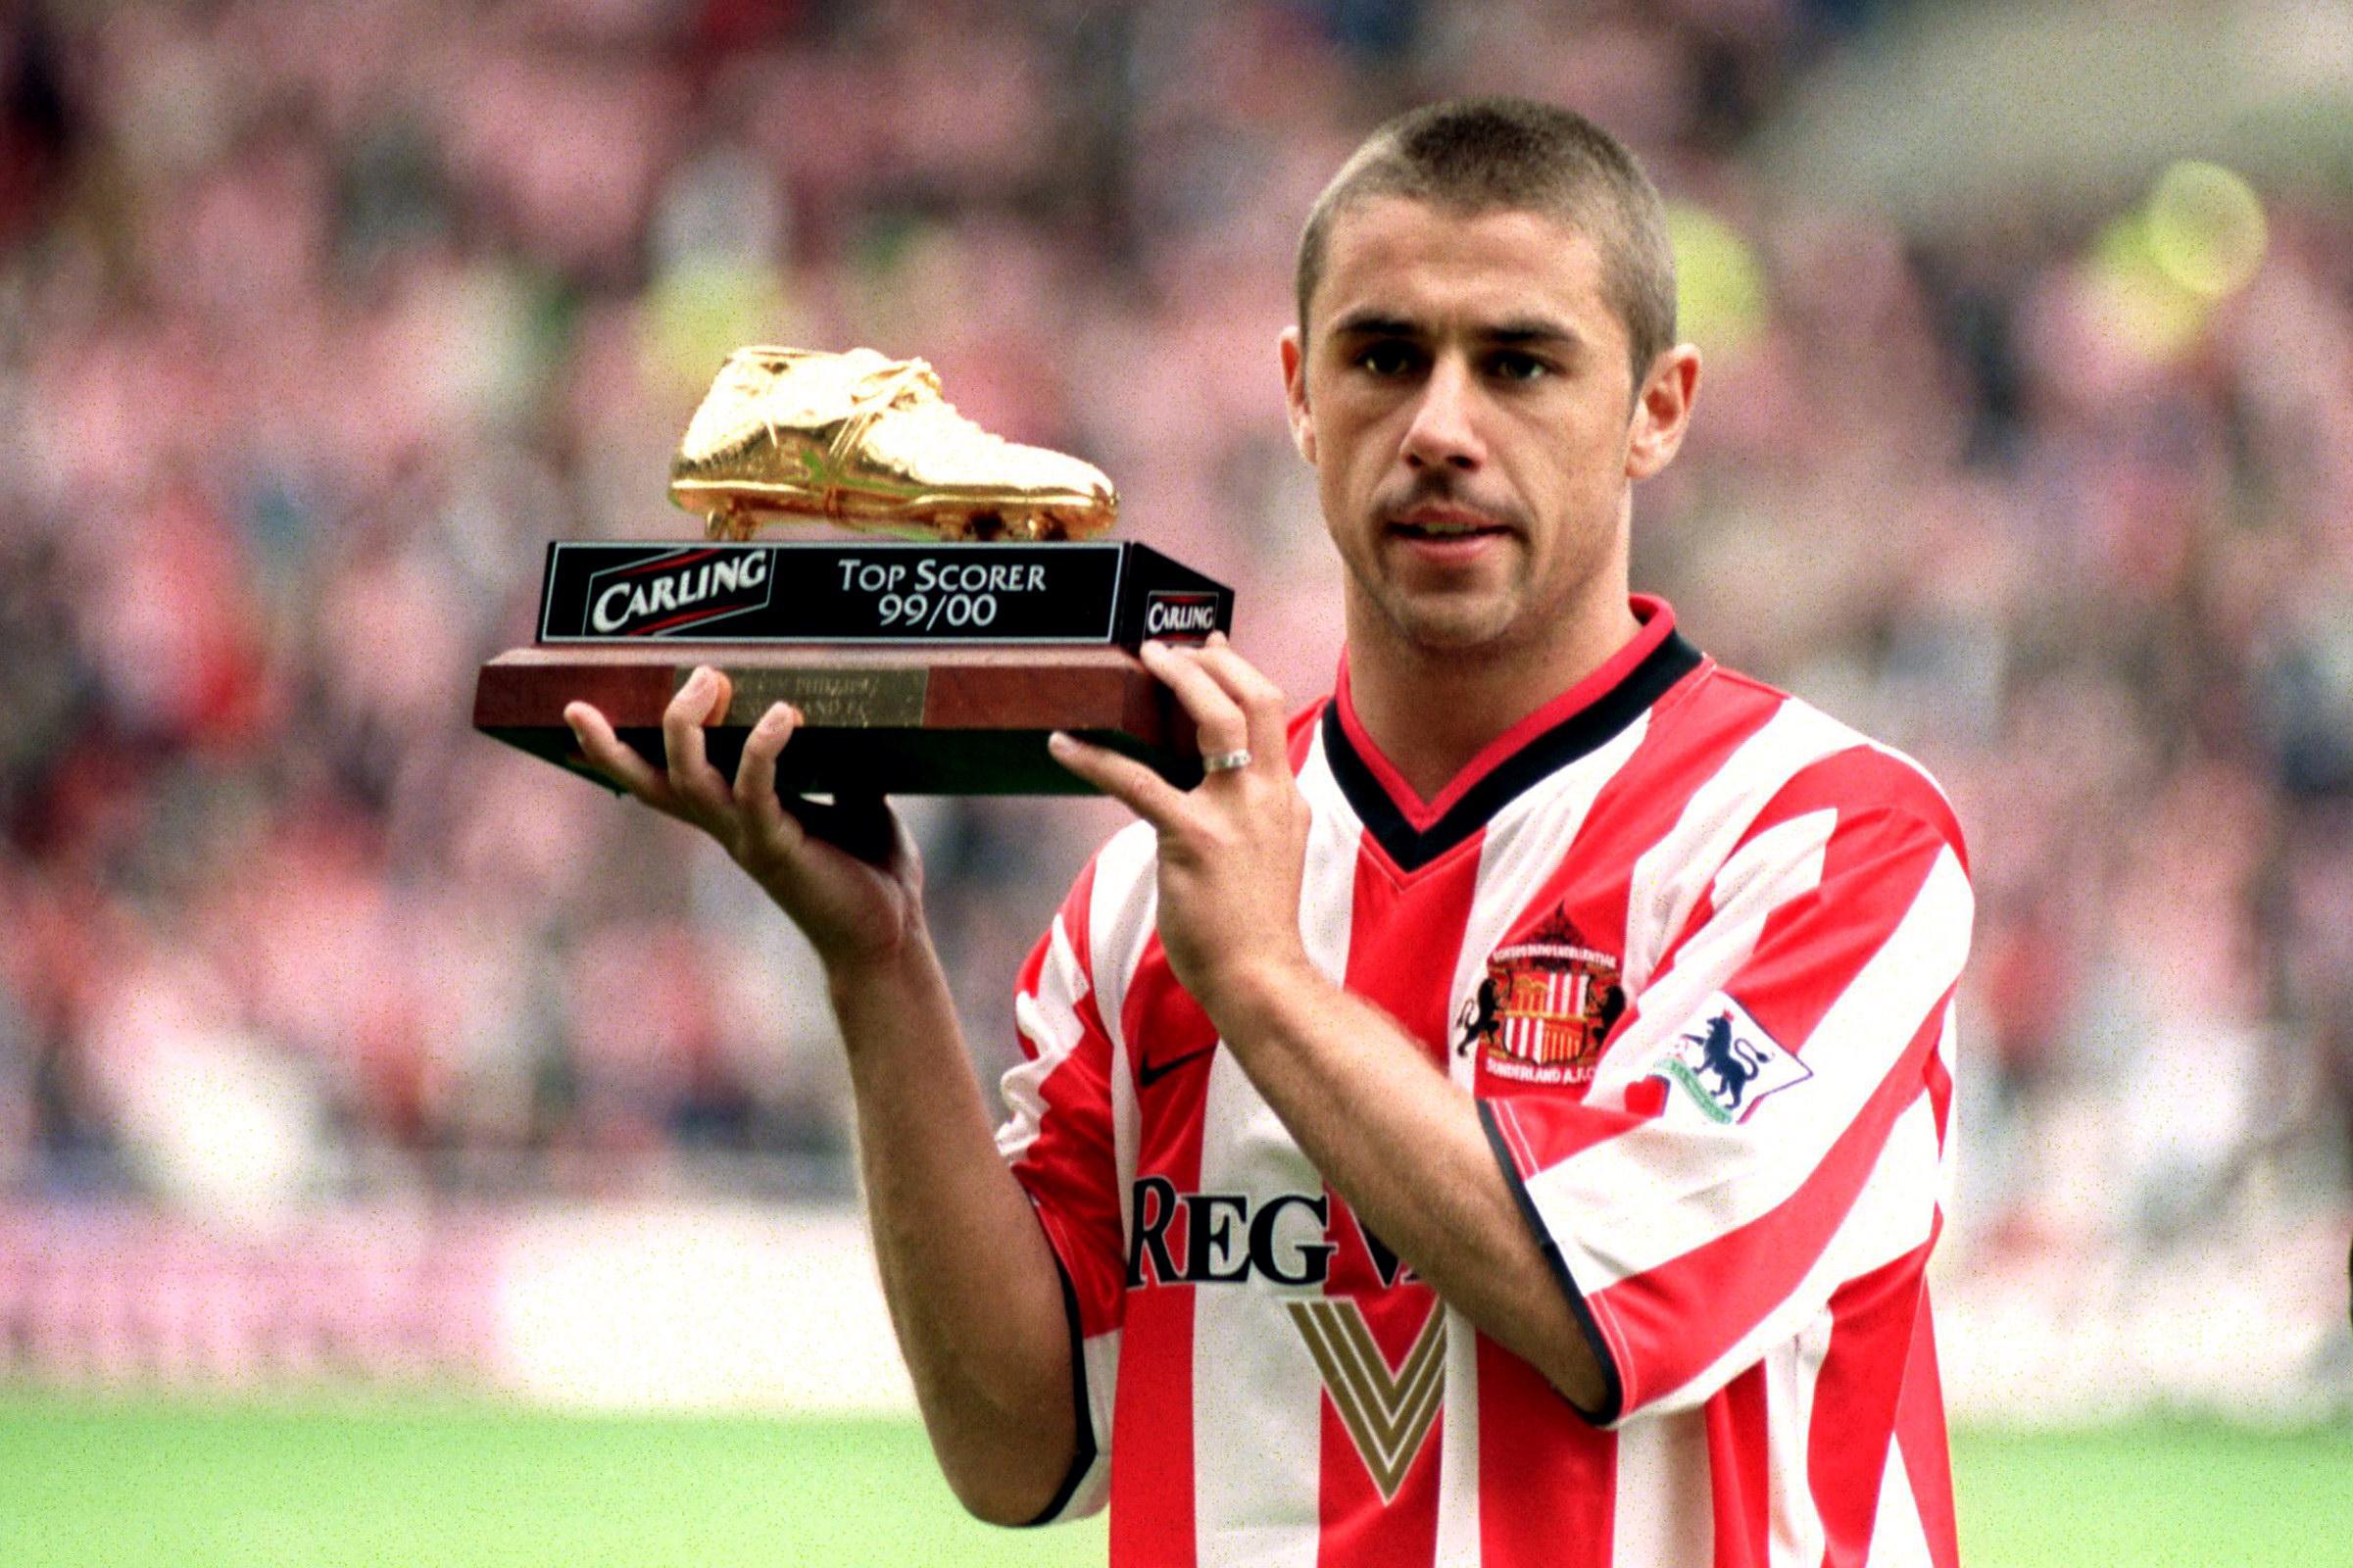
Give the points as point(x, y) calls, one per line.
point(974, 1292)
point(856, 911)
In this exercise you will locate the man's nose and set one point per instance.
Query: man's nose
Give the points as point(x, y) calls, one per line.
point(1444, 433)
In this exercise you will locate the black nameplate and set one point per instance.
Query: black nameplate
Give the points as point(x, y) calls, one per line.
point(856, 593)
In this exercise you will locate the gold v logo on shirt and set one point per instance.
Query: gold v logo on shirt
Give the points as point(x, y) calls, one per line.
point(1388, 1410)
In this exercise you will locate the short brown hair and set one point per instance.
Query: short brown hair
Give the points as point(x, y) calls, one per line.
point(1476, 155)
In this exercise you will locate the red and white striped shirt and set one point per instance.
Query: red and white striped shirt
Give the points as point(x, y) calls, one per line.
point(1692, 946)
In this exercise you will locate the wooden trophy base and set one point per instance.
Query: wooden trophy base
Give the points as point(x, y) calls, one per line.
point(968, 719)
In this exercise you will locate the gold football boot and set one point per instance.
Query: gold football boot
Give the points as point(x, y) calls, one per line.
point(871, 443)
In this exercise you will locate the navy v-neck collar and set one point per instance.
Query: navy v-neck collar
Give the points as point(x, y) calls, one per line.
point(1579, 720)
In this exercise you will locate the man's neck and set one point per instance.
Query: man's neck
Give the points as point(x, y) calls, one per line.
point(1431, 712)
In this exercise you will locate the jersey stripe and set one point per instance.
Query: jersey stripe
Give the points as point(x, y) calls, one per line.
point(1046, 1014)
point(1256, 1394)
point(1866, 773)
point(1259, 1406)
point(1527, 1450)
point(1121, 912)
point(1122, 909)
point(1151, 1434)
point(1405, 940)
point(1660, 1511)
point(1151, 1412)
point(1870, 1338)
point(1740, 1462)
point(1920, 1434)
point(1152, 1483)
point(1459, 1466)
point(1792, 1372)
point(1059, 1028)
point(1897, 1540)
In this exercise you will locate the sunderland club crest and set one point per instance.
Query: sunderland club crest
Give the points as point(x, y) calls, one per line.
point(1545, 1006)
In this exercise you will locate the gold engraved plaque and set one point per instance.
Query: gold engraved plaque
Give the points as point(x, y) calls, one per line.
point(828, 699)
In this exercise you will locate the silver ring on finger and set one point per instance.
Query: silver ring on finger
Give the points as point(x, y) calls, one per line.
point(1226, 762)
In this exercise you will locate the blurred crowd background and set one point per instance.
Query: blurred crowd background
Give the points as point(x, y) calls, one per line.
point(2026, 443)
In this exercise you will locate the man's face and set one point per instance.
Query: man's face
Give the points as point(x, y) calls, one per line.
point(1466, 398)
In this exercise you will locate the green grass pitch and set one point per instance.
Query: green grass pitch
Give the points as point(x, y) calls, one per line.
point(90, 1484)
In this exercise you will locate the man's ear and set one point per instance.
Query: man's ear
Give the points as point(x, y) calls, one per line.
point(1662, 412)
point(1295, 392)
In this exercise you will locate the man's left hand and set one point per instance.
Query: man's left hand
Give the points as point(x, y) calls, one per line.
point(1232, 849)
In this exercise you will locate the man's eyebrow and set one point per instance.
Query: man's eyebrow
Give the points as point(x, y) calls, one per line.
point(1373, 324)
point(1534, 330)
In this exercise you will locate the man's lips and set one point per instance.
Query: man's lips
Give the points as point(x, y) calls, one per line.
point(1439, 520)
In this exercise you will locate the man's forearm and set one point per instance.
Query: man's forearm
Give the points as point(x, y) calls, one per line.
point(974, 1289)
point(1403, 1147)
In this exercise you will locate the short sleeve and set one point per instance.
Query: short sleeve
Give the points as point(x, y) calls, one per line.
point(1058, 1140)
point(1771, 1119)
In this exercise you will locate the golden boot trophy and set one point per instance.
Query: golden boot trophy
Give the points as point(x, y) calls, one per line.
point(980, 613)
point(871, 443)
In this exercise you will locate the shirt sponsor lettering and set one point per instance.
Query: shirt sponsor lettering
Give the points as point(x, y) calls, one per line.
point(1224, 1238)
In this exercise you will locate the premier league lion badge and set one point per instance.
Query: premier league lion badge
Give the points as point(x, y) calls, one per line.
point(1726, 1062)
point(1545, 1007)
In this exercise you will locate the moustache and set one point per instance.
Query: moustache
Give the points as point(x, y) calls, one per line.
point(1439, 487)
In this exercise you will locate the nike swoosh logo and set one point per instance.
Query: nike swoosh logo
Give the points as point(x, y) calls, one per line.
point(1151, 1072)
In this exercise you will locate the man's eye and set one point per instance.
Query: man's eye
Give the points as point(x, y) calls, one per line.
point(1386, 359)
point(1511, 367)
